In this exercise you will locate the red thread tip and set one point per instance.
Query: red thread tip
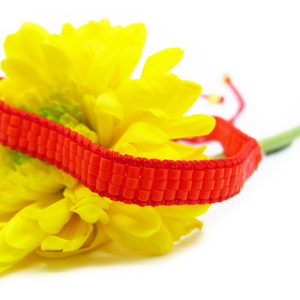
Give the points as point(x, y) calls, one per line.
point(226, 78)
point(213, 98)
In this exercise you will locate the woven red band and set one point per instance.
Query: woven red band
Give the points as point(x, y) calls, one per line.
point(133, 180)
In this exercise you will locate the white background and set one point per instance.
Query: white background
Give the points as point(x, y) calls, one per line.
point(249, 246)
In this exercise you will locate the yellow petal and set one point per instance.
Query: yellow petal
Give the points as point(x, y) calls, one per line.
point(168, 93)
point(24, 233)
point(80, 191)
point(2, 225)
point(125, 148)
point(93, 199)
point(158, 243)
point(127, 63)
point(110, 113)
point(54, 217)
point(91, 210)
point(189, 152)
point(99, 31)
point(88, 105)
point(98, 237)
point(162, 62)
point(4, 266)
point(8, 91)
point(10, 255)
point(34, 210)
point(87, 133)
point(32, 180)
point(73, 235)
point(182, 212)
point(19, 71)
point(136, 220)
point(57, 59)
point(25, 45)
point(136, 34)
point(141, 132)
point(158, 151)
point(197, 154)
point(154, 114)
point(11, 203)
point(186, 95)
point(91, 213)
point(88, 204)
point(102, 68)
point(189, 126)
point(108, 103)
point(5, 217)
point(165, 90)
point(76, 48)
point(179, 228)
point(135, 95)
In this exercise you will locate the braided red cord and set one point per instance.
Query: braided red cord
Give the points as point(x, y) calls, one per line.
point(134, 180)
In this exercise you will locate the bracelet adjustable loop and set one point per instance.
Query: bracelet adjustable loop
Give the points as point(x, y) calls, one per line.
point(129, 179)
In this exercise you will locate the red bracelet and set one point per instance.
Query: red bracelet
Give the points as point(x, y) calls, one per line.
point(134, 180)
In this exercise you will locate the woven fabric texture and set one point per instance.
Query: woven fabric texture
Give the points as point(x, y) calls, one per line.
point(130, 179)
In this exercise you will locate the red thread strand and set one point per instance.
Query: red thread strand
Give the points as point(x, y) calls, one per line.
point(241, 103)
point(239, 98)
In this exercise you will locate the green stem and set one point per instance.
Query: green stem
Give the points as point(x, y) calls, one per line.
point(279, 141)
point(218, 156)
point(274, 143)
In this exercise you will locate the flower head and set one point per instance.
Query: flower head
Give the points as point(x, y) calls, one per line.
point(81, 79)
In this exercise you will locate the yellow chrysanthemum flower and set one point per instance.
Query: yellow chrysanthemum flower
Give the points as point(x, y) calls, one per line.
point(81, 79)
